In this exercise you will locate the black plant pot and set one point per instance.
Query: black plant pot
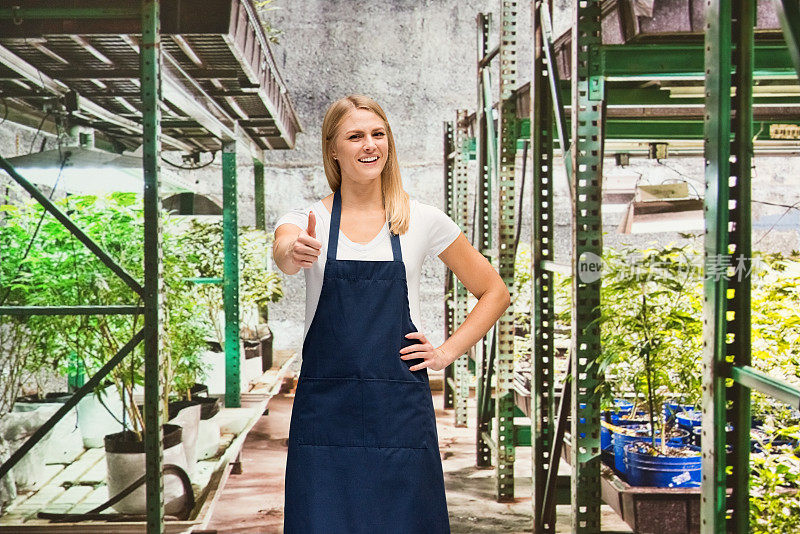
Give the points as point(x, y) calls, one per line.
point(260, 348)
point(252, 348)
point(198, 390)
point(209, 406)
point(125, 442)
point(266, 351)
point(54, 397)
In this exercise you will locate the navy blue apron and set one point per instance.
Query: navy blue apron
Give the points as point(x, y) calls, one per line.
point(363, 448)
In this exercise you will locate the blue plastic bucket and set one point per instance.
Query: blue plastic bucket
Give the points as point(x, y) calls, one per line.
point(662, 471)
point(605, 433)
point(690, 420)
point(622, 408)
point(621, 440)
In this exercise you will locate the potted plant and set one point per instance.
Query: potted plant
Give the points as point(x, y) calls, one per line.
point(32, 348)
point(258, 286)
point(651, 337)
point(61, 270)
point(125, 458)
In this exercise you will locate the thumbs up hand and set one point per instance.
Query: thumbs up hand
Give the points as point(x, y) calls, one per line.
point(312, 225)
point(306, 248)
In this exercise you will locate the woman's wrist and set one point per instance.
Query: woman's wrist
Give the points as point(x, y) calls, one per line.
point(447, 356)
point(283, 257)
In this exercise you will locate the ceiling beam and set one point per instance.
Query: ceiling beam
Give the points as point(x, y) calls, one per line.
point(186, 48)
point(91, 49)
point(70, 75)
point(42, 80)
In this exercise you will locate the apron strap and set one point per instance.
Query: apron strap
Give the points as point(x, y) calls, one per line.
point(396, 252)
point(333, 236)
point(336, 217)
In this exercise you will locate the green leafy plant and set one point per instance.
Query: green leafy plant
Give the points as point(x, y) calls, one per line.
point(258, 285)
point(775, 484)
point(56, 269)
point(19, 357)
point(651, 335)
point(776, 327)
point(50, 267)
point(185, 317)
point(651, 327)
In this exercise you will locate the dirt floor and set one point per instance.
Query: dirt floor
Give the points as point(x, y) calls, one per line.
point(252, 502)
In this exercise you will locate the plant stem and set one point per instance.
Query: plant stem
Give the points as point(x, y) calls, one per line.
point(645, 351)
point(135, 414)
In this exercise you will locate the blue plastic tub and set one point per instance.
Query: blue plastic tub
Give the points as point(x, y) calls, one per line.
point(605, 433)
point(619, 442)
point(691, 421)
point(662, 471)
point(622, 408)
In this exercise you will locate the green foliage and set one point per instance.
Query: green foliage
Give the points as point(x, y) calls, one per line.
point(204, 252)
point(184, 316)
point(651, 325)
point(652, 304)
point(522, 304)
point(652, 299)
point(776, 325)
point(775, 483)
point(522, 301)
point(258, 285)
point(59, 270)
point(56, 269)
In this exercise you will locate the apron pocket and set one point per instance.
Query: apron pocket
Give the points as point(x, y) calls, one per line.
point(398, 413)
point(331, 412)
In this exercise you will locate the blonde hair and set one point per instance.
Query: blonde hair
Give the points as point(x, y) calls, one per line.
point(395, 199)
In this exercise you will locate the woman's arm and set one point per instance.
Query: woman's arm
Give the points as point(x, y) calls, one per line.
point(294, 248)
point(480, 278)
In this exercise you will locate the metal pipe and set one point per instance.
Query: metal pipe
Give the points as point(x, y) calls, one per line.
point(70, 310)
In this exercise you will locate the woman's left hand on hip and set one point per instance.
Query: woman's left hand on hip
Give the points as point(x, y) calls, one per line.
point(435, 358)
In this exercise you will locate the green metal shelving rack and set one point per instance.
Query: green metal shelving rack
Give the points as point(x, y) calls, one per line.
point(150, 293)
point(153, 282)
point(450, 156)
point(728, 377)
point(493, 358)
point(461, 365)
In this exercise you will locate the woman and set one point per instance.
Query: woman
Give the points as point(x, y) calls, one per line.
point(363, 448)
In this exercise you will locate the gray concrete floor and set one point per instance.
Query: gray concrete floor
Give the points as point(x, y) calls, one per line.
point(252, 502)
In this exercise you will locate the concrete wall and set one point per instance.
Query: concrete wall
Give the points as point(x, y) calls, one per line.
point(418, 60)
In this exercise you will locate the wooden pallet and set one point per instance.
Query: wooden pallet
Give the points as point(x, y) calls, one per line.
point(80, 486)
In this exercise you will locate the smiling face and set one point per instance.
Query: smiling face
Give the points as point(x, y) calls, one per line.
point(361, 146)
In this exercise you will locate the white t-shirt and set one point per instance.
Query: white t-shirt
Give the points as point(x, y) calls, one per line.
point(429, 233)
